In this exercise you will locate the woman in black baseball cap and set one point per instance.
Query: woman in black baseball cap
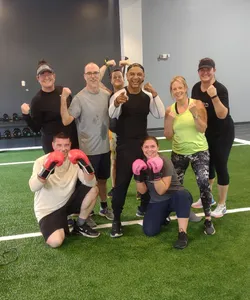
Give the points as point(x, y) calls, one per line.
point(43, 114)
point(220, 128)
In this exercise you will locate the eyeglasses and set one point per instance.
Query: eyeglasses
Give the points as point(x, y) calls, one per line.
point(96, 73)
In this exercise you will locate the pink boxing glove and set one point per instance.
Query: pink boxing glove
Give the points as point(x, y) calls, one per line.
point(138, 166)
point(155, 164)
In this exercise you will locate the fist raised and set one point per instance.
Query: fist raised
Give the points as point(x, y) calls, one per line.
point(155, 164)
point(212, 91)
point(66, 92)
point(138, 166)
point(149, 88)
point(25, 108)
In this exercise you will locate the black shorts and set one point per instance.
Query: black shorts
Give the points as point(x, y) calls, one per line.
point(101, 165)
point(58, 219)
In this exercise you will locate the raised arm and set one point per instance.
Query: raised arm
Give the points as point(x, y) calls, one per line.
point(199, 114)
point(66, 117)
point(220, 102)
point(156, 107)
point(168, 123)
point(103, 69)
point(116, 102)
point(33, 117)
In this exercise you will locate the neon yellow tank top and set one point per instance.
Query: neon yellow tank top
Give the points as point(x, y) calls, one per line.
point(186, 139)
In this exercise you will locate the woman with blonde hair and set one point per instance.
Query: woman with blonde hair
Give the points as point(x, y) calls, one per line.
point(185, 124)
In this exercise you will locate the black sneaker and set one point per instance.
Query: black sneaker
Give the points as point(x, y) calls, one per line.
point(110, 193)
point(86, 230)
point(167, 221)
point(140, 213)
point(116, 230)
point(182, 241)
point(209, 227)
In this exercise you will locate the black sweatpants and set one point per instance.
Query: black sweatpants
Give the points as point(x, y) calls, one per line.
point(127, 152)
point(219, 149)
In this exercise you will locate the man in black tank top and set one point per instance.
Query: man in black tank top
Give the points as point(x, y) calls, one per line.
point(131, 106)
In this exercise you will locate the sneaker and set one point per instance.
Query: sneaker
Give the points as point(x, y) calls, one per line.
point(85, 230)
point(198, 204)
point(140, 213)
point(209, 227)
point(193, 217)
point(116, 230)
point(219, 211)
point(167, 221)
point(107, 213)
point(71, 224)
point(91, 222)
point(110, 193)
point(138, 196)
point(182, 241)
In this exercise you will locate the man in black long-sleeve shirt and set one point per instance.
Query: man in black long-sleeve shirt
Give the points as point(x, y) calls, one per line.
point(131, 106)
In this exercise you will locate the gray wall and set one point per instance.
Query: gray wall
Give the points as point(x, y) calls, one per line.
point(67, 33)
point(190, 30)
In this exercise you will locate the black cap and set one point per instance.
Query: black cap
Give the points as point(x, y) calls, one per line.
point(44, 68)
point(206, 63)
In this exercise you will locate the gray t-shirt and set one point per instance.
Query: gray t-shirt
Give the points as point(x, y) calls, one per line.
point(92, 121)
point(167, 170)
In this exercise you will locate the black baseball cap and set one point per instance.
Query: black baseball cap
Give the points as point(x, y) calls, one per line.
point(206, 63)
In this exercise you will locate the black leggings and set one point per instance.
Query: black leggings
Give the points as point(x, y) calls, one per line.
point(219, 149)
point(127, 152)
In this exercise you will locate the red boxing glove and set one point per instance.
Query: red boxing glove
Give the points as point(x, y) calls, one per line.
point(138, 166)
point(155, 164)
point(77, 156)
point(54, 159)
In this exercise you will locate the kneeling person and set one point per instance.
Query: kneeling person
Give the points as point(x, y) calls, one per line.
point(54, 181)
point(157, 175)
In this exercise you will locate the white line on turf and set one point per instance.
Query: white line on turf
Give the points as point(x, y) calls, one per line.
point(242, 143)
point(158, 138)
point(108, 225)
point(17, 163)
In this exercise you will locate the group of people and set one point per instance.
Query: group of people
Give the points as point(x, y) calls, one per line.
point(77, 163)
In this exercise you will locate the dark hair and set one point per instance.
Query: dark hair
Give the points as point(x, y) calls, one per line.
point(42, 62)
point(61, 135)
point(150, 138)
point(136, 65)
point(115, 70)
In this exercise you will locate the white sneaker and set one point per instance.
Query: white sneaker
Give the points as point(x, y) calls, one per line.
point(198, 204)
point(219, 211)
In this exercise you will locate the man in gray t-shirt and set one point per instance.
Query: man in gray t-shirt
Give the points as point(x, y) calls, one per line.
point(90, 110)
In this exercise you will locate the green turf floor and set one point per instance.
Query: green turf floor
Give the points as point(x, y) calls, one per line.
point(134, 266)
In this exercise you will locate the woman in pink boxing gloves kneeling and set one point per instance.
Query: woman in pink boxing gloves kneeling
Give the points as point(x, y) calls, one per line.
point(157, 175)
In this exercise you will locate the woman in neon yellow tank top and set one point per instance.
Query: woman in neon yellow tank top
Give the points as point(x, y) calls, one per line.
point(185, 124)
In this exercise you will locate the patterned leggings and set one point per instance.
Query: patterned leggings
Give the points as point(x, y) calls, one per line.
point(200, 165)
